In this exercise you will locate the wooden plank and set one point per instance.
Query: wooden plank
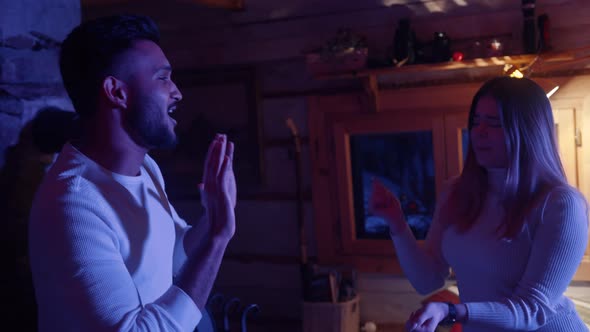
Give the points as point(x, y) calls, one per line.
point(280, 40)
point(325, 203)
point(170, 16)
point(583, 271)
point(566, 130)
point(268, 228)
point(268, 196)
point(454, 123)
point(372, 23)
point(280, 169)
point(275, 112)
point(252, 50)
point(429, 69)
point(502, 18)
point(260, 275)
point(87, 3)
point(263, 228)
point(566, 13)
point(456, 96)
point(236, 5)
point(583, 178)
point(269, 9)
point(372, 92)
point(283, 142)
point(291, 78)
point(322, 210)
point(266, 259)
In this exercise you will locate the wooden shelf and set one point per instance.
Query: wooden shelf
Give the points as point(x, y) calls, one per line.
point(449, 72)
point(549, 59)
point(517, 60)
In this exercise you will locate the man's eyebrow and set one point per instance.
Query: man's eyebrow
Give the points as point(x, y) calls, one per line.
point(164, 68)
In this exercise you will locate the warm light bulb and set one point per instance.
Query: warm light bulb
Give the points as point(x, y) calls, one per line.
point(511, 71)
point(516, 73)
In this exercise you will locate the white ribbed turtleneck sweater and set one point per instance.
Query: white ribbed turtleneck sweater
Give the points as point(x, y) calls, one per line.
point(507, 285)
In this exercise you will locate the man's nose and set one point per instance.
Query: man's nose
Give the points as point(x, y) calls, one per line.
point(176, 94)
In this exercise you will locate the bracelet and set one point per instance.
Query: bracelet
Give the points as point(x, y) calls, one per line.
point(451, 317)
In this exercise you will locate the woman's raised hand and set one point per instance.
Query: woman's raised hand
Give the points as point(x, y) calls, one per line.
point(383, 203)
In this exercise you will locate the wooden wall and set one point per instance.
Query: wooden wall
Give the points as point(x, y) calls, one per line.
point(262, 261)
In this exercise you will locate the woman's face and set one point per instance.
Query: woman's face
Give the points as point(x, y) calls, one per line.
point(487, 135)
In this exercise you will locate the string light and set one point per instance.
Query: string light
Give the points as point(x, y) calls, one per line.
point(512, 71)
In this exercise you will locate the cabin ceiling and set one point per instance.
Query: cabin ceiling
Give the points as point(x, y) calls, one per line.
point(211, 32)
point(223, 4)
point(249, 11)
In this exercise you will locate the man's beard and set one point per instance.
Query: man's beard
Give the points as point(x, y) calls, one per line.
point(150, 128)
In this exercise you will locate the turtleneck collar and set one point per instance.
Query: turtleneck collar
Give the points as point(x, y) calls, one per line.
point(496, 178)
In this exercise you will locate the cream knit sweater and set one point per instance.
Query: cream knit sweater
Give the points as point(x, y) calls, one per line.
point(507, 285)
point(104, 248)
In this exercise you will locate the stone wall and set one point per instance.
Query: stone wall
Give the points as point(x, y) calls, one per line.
point(30, 34)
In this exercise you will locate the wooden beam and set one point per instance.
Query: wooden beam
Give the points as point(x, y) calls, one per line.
point(283, 142)
point(517, 60)
point(372, 90)
point(543, 67)
point(236, 5)
point(88, 3)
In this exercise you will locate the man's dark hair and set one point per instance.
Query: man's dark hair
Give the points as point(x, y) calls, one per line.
point(89, 52)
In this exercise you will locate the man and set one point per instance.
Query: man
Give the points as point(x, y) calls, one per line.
point(108, 251)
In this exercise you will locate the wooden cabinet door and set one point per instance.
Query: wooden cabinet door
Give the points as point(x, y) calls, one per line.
point(565, 129)
point(456, 139)
point(569, 140)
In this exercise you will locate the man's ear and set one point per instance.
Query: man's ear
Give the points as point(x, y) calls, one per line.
point(116, 91)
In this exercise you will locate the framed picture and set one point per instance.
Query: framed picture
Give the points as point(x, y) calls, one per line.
point(215, 100)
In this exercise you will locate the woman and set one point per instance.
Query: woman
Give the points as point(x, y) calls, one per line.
point(510, 226)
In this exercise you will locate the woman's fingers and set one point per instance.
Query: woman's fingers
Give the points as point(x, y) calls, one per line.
point(381, 198)
point(379, 186)
point(425, 319)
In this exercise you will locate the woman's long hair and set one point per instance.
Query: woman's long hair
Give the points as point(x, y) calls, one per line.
point(534, 166)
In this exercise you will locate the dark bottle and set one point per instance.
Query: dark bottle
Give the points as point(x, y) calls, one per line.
point(528, 32)
point(441, 47)
point(544, 26)
point(404, 44)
